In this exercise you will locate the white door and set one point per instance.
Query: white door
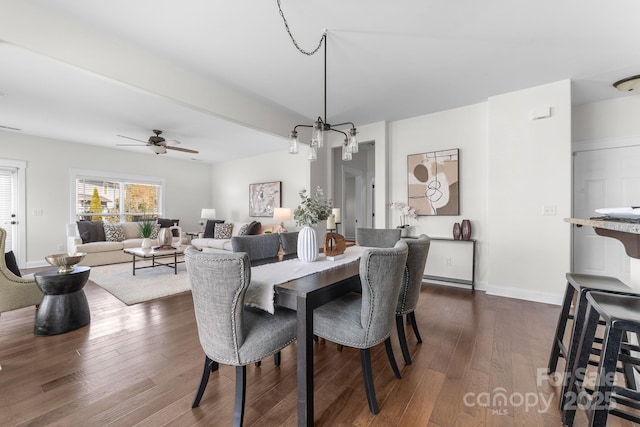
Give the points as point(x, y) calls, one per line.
point(12, 174)
point(605, 178)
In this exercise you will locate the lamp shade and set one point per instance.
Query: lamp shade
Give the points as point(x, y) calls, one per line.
point(208, 214)
point(282, 214)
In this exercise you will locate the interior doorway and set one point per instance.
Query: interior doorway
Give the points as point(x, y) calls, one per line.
point(353, 189)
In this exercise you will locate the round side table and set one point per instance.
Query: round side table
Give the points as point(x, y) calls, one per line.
point(64, 307)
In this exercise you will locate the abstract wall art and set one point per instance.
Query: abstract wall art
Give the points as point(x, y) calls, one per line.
point(264, 197)
point(433, 182)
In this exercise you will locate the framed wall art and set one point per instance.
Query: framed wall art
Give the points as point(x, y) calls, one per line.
point(433, 182)
point(264, 197)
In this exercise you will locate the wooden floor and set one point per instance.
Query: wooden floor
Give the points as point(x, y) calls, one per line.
point(140, 365)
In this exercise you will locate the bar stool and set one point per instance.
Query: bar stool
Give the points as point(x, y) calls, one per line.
point(580, 284)
point(621, 315)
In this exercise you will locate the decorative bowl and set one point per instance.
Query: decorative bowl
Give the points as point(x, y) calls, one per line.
point(65, 262)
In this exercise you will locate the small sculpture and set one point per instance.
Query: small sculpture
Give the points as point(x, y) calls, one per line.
point(334, 244)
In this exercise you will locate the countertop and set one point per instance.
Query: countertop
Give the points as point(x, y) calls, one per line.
point(623, 225)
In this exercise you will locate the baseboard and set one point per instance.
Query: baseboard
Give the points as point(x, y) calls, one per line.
point(37, 264)
point(525, 294)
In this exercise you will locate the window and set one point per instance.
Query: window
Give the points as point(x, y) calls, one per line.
point(110, 197)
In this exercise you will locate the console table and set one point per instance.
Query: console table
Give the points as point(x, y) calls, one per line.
point(471, 280)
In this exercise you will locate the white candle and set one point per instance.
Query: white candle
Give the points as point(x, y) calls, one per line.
point(331, 223)
point(336, 215)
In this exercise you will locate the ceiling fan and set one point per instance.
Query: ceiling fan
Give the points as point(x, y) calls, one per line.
point(158, 144)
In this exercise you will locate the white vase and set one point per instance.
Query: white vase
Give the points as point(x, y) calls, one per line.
point(307, 244)
point(146, 243)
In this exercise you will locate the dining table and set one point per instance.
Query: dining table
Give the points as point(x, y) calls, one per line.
point(303, 295)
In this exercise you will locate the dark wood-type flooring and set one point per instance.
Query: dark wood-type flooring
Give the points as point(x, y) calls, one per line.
point(141, 365)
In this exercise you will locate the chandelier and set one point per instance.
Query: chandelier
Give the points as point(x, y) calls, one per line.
point(320, 128)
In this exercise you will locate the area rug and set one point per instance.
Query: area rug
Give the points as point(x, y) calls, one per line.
point(148, 283)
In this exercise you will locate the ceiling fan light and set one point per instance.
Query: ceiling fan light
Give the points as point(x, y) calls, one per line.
point(158, 149)
point(628, 84)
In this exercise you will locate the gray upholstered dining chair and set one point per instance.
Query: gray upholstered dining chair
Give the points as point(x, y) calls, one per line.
point(410, 290)
point(289, 242)
point(229, 333)
point(377, 237)
point(363, 320)
point(258, 247)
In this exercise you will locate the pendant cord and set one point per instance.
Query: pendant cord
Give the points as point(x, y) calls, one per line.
point(295, 43)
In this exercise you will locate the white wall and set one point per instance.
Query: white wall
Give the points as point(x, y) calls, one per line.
point(464, 128)
point(613, 119)
point(529, 165)
point(188, 184)
point(230, 184)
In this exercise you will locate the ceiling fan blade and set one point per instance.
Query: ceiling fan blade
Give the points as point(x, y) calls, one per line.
point(134, 139)
point(186, 150)
point(172, 142)
point(131, 145)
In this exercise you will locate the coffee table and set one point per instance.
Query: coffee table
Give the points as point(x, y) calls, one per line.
point(152, 253)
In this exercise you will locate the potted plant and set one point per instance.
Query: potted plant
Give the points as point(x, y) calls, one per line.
point(312, 209)
point(407, 213)
point(146, 227)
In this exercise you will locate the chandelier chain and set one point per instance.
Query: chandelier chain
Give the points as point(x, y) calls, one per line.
point(295, 43)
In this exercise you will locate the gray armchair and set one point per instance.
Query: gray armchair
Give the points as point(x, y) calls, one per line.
point(365, 320)
point(377, 237)
point(230, 333)
point(258, 247)
point(410, 291)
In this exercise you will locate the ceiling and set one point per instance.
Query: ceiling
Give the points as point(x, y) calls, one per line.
point(63, 75)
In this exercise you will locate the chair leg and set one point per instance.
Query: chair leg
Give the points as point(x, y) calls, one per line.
point(392, 359)
point(276, 359)
point(365, 358)
point(209, 366)
point(560, 329)
point(414, 325)
point(403, 339)
point(241, 386)
point(570, 391)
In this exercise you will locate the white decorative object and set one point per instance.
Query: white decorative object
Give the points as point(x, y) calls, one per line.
point(176, 241)
point(146, 243)
point(307, 244)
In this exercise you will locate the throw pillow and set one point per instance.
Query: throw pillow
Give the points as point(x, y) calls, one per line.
point(156, 230)
point(114, 232)
point(254, 228)
point(243, 230)
point(91, 231)
point(166, 223)
point(12, 265)
point(210, 226)
point(223, 231)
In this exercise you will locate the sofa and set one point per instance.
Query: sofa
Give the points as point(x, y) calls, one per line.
point(103, 243)
point(213, 239)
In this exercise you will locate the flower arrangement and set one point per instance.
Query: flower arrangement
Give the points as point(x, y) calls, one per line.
point(406, 213)
point(312, 209)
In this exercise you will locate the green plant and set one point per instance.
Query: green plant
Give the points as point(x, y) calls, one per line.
point(146, 227)
point(312, 209)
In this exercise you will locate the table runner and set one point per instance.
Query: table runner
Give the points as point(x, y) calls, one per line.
point(260, 293)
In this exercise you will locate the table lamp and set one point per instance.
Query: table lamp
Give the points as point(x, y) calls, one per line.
point(281, 214)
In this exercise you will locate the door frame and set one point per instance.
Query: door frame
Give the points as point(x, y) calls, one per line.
point(20, 247)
